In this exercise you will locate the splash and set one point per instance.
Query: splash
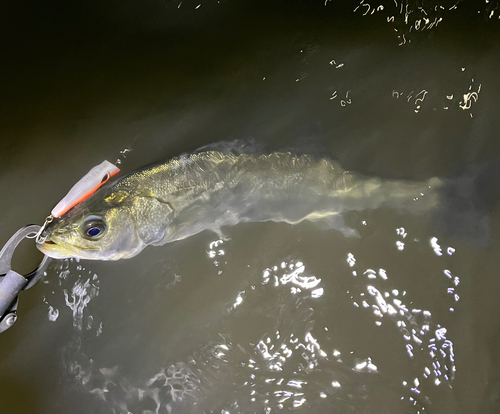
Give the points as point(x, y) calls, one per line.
point(293, 356)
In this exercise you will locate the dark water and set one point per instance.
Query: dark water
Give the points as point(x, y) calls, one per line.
point(404, 319)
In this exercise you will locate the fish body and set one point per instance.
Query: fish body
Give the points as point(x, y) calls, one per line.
point(209, 189)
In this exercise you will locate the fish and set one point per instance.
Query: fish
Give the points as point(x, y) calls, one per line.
point(216, 187)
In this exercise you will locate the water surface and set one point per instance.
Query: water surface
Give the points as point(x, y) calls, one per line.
point(275, 317)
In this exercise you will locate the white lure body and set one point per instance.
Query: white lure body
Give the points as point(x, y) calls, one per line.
point(85, 187)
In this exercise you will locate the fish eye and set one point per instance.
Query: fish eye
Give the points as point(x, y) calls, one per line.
point(94, 228)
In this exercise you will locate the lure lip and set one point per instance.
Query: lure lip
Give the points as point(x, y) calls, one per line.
point(85, 187)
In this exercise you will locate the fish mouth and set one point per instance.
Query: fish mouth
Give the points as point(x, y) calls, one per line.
point(56, 251)
point(51, 249)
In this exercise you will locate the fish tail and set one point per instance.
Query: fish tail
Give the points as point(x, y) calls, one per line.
point(467, 200)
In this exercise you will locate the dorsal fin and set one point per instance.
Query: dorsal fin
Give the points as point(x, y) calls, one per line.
point(238, 146)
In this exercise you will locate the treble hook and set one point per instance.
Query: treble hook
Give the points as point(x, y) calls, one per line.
point(38, 235)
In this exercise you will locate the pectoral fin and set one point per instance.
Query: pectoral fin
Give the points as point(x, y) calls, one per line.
point(334, 221)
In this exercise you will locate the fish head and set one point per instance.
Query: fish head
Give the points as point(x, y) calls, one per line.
point(100, 228)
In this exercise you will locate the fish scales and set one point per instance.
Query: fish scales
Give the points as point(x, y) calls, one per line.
point(206, 190)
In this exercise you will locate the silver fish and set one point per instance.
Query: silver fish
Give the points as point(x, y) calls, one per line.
point(210, 189)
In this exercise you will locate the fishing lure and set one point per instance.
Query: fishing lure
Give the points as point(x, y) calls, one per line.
point(83, 189)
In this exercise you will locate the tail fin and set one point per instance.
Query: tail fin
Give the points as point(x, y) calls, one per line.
point(467, 201)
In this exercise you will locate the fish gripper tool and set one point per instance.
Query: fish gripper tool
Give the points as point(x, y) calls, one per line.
point(11, 282)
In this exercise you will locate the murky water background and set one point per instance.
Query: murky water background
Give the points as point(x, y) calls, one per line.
point(276, 317)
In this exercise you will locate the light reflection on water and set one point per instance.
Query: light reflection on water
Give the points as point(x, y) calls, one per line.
point(329, 326)
point(300, 362)
point(411, 19)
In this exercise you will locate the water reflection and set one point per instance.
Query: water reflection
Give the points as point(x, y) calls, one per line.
point(300, 362)
point(277, 318)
